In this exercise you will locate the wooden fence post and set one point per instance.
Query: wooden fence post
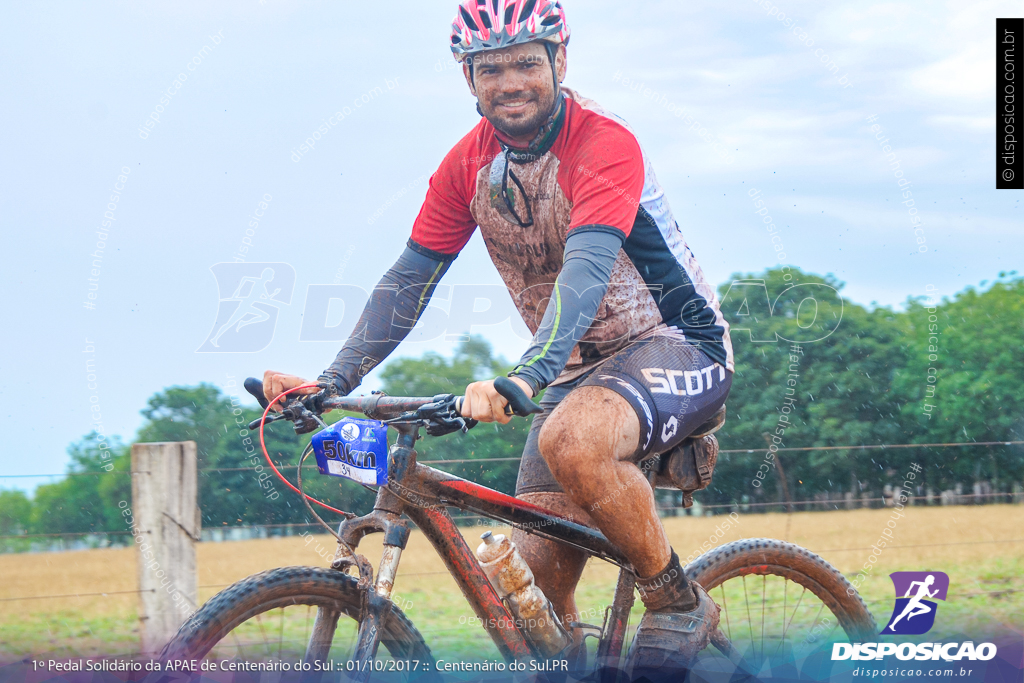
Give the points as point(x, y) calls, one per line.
point(164, 505)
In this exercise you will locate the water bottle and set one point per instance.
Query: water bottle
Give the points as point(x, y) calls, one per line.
point(512, 578)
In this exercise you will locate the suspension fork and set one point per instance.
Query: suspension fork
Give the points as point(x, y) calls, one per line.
point(386, 517)
point(375, 609)
point(376, 599)
point(376, 603)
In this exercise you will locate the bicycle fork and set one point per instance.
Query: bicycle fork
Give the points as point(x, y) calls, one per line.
point(377, 603)
point(376, 609)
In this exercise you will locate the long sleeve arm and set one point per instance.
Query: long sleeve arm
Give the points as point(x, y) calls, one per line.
point(590, 254)
point(393, 309)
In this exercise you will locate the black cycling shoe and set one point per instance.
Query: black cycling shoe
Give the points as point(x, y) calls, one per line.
point(678, 624)
point(667, 642)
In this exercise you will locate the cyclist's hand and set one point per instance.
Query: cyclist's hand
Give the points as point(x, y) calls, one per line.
point(276, 383)
point(485, 404)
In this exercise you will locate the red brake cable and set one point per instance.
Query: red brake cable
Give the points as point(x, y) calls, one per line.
point(270, 462)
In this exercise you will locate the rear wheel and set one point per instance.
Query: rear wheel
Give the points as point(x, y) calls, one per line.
point(269, 618)
point(781, 604)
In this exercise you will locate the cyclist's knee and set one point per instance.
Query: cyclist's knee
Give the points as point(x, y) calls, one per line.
point(591, 425)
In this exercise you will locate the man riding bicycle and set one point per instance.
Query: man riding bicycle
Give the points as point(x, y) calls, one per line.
point(628, 338)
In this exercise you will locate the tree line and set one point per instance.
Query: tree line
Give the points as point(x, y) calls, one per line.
point(811, 371)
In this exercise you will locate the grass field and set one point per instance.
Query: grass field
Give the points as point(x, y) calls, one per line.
point(981, 548)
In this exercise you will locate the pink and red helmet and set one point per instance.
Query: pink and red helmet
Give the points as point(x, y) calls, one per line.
point(494, 24)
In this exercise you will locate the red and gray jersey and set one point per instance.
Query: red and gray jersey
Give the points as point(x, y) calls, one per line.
point(595, 177)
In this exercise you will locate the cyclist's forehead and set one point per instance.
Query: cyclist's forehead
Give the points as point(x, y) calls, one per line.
point(518, 54)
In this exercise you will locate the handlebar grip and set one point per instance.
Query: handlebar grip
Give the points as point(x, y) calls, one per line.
point(517, 400)
point(255, 387)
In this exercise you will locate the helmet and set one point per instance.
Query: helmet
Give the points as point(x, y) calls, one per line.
point(494, 24)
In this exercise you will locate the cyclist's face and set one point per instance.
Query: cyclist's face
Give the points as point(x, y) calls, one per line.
point(515, 88)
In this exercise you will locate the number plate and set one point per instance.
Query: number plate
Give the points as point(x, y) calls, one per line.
point(355, 449)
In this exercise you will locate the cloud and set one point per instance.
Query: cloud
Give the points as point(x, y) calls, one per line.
point(971, 124)
point(967, 75)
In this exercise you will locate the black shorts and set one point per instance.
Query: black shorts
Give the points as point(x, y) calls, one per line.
point(672, 386)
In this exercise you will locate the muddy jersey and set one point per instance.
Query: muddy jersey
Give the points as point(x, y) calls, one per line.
point(594, 177)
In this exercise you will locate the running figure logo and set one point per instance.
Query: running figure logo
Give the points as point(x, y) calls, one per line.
point(914, 612)
point(250, 297)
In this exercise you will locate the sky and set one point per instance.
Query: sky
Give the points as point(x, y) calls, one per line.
point(727, 98)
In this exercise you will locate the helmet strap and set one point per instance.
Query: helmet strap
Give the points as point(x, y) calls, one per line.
point(552, 49)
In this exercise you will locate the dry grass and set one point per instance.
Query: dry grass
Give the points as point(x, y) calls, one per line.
point(957, 540)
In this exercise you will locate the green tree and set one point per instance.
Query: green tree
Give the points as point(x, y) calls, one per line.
point(15, 513)
point(834, 391)
point(948, 373)
point(962, 382)
point(80, 503)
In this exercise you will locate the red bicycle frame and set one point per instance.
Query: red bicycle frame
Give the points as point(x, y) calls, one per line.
point(424, 494)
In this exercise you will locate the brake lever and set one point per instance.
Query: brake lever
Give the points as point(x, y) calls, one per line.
point(272, 417)
point(440, 417)
point(302, 417)
point(439, 426)
point(304, 412)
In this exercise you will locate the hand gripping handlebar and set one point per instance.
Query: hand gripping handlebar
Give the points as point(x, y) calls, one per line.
point(300, 410)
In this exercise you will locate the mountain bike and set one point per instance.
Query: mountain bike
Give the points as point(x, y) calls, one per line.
point(269, 617)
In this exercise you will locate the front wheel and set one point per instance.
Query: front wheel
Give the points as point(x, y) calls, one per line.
point(269, 618)
point(781, 603)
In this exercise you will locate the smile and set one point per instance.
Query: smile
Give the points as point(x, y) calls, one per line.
point(515, 105)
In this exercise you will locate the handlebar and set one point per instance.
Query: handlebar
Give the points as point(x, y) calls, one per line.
point(518, 402)
point(443, 407)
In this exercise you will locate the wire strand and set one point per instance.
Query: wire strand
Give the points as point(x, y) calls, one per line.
point(510, 459)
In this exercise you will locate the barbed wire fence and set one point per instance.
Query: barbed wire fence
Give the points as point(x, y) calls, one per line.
point(56, 542)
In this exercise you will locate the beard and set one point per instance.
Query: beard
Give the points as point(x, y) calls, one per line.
point(520, 125)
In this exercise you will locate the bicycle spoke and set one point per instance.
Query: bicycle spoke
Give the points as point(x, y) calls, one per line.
point(280, 635)
point(263, 633)
point(785, 626)
point(350, 646)
point(750, 622)
point(309, 608)
point(725, 608)
point(785, 596)
point(764, 589)
point(792, 632)
point(238, 644)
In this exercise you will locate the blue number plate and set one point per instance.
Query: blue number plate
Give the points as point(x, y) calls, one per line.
point(354, 448)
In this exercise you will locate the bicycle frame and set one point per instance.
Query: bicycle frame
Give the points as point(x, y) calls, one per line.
point(423, 494)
